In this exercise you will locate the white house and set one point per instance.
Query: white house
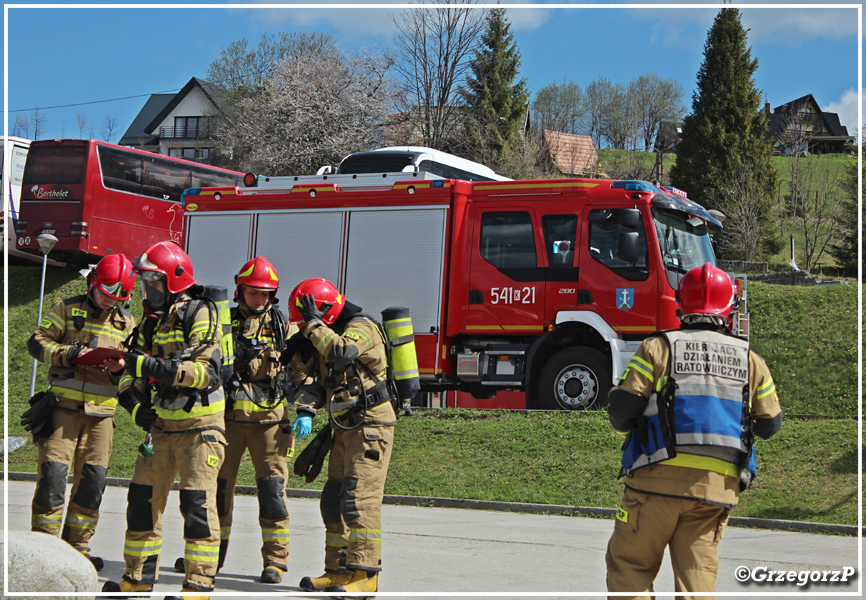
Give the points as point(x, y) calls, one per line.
point(175, 124)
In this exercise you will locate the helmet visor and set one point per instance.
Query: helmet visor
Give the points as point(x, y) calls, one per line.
point(114, 290)
point(154, 289)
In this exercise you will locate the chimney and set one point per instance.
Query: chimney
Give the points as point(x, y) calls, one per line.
point(767, 109)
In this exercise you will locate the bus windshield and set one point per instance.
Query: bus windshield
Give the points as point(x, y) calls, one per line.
point(376, 162)
point(684, 241)
point(55, 164)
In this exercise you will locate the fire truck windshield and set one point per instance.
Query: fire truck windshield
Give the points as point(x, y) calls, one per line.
point(684, 241)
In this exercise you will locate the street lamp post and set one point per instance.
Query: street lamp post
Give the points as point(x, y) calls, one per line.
point(46, 243)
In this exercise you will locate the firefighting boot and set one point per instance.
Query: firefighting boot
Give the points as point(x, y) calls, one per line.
point(179, 565)
point(126, 587)
point(329, 579)
point(203, 595)
point(96, 561)
point(363, 583)
point(272, 575)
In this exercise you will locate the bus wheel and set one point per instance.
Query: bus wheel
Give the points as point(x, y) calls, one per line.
point(574, 379)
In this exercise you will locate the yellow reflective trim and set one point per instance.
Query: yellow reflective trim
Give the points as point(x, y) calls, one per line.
point(79, 396)
point(641, 366)
point(707, 463)
point(56, 320)
point(621, 514)
point(767, 389)
point(197, 411)
point(357, 334)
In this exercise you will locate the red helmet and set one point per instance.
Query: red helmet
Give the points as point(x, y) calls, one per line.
point(324, 292)
point(169, 259)
point(706, 290)
point(113, 276)
point(258, 273)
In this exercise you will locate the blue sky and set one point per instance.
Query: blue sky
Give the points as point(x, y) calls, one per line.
point(85, 56)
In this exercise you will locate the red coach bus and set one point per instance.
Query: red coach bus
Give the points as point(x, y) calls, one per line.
point(99, 198)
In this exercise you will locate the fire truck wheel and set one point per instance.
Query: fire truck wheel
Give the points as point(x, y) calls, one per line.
point(574, 379)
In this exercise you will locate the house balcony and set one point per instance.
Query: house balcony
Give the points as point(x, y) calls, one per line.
point(183, 133)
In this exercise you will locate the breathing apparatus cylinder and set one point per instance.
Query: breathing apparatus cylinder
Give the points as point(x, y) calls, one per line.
point(220, 297)
point(404, 359)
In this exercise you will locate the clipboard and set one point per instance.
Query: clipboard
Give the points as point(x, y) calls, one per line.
point(95, 357)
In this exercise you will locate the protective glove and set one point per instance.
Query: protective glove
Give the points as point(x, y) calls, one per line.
point(297, 344)
point(302, 426)
point(144, 416)
point(130, 398)
point(309, 310)
point(142, 365)
point(38, 418)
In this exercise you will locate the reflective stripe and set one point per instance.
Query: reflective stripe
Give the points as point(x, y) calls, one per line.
point(275, 535)
point(641, 366)
point(201, 553)
point(370, 536)
point(225, 533)
point(164, 338)
point(145, 548)
point(406, 374)
point(250, 406)
point(46, 521)
point(335, 540)
point(73, 389)
point(81, 521)
point(214, 406)
point(360, 333)
point(326, 342)
point(56, 320)
point(707, 463)
point(766, 390)
point(200, 327)
point(199, 374)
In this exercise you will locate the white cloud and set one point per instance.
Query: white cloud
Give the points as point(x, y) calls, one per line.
point(846, 108)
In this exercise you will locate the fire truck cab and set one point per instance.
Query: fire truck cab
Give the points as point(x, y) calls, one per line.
point(542, 286)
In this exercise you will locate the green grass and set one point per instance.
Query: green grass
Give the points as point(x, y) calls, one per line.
point(808, 472)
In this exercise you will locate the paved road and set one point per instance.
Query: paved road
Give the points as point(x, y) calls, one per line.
point(448, 551)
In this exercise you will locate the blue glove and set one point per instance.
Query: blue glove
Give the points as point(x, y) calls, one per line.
point(302, 426)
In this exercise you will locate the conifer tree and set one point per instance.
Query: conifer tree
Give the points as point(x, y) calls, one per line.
point(726, 130)
point(497, 104)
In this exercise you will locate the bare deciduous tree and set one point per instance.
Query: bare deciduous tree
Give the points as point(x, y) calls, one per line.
point(313, 109)
point(746, 207)
point(656, 100)
point(559, 107)
point(109, 127)
point(22, 126)
point(819, 207)
point(434, 43)
point(82, 123)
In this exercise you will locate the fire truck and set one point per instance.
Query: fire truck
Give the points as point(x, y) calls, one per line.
point(544, 286)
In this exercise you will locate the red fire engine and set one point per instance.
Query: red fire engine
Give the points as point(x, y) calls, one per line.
point(546, 286)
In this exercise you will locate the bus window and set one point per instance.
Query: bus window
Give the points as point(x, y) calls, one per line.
point(209, 178)
point(164, 180)
point(120, 170)
point(55, 165)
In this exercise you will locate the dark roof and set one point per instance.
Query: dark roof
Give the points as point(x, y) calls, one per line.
point(777, 120)
point(135, 135)
point(175, 100)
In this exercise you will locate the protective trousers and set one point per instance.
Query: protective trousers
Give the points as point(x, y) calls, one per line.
point(269, 446)
point(85, 441)
point(196, 456)
point(645, 525)
point(351, 503)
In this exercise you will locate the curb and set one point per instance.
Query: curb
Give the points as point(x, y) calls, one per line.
point(518, 507)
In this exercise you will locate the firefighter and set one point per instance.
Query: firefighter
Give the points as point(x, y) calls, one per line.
point(257, 414)
point(341, 362)
point(176, 355)
point(73, 422)
point(690, 402)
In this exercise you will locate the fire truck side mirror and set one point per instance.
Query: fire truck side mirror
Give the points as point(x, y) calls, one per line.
point(628, 246)
point(629, 217)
